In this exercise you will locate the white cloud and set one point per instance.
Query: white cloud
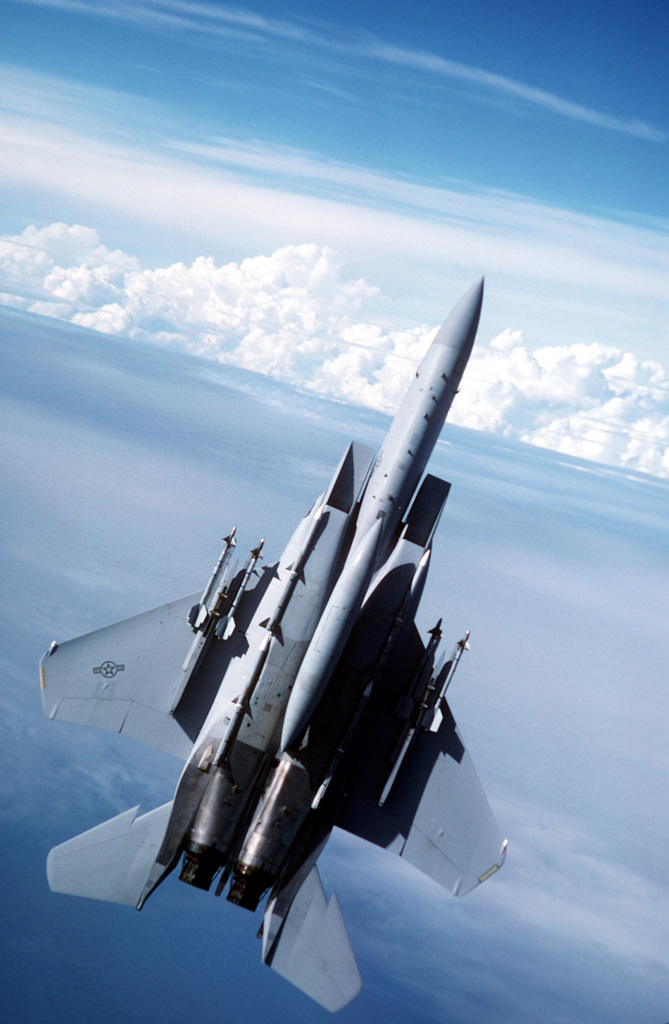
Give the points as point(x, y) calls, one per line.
point(66, 266)
point(593, 401)
point(294, 315)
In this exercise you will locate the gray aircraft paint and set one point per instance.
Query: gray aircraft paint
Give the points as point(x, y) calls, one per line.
point(290, 689)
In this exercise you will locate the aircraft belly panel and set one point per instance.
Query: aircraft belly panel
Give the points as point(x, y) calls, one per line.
point(275, 649)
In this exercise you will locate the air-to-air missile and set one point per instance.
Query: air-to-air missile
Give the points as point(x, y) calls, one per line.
point(300, 696)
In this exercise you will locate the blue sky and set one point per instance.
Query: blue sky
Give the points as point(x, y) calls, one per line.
point(123, 465)
point(414, 150)
point(303, 191)
point(561, 103)
point(565, 102)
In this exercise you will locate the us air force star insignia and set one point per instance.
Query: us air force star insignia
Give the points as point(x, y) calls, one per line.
point(108, 669)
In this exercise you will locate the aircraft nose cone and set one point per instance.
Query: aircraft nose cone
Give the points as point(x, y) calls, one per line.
point(459, 327)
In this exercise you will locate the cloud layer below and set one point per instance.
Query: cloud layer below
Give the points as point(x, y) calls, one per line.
point(295, 316)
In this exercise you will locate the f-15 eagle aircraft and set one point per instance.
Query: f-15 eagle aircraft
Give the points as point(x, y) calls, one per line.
point(301, 697)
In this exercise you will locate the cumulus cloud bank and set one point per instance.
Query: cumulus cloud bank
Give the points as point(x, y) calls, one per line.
point(295, 316)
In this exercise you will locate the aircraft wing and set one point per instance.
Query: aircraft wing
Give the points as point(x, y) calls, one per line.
point(436, 815)
point(128, 678)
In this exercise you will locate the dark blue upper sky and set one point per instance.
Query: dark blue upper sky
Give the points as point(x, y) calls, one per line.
point(565, 102)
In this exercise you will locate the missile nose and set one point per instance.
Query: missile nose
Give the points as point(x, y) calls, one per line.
point(459, 328)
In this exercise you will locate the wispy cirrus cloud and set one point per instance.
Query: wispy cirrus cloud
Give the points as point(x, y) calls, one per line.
point(494, 84)
point(211, 25)
point(64, 136)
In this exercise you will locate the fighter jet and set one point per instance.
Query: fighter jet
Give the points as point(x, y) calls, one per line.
point(301, 697)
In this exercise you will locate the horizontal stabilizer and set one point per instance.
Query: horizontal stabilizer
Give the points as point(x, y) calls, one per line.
point(313, 951)
point(112, 861)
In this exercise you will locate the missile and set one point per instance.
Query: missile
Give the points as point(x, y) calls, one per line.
point(416, 428)
point(427, 694)
point(331, 634)
point(225, 627)
point(389, 490)
point(204, 617)
point(215, 590)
